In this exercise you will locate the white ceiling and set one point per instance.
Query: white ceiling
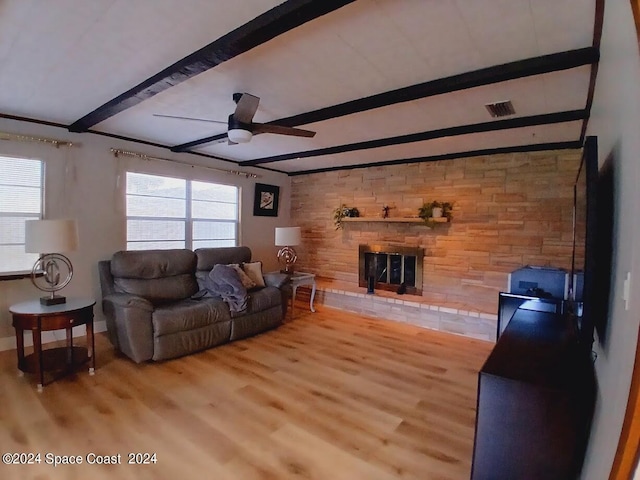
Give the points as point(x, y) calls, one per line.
point(61, 60)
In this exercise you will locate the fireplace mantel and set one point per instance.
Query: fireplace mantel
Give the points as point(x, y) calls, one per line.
point(394, 220)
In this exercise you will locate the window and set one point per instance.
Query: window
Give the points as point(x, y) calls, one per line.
point(165, 212)
point(20, 200)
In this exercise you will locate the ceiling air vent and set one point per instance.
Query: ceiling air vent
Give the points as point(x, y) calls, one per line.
point(500, 109)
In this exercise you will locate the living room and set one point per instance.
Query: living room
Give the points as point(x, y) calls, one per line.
point(467, 259)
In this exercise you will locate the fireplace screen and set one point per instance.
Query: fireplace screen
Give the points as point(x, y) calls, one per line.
point(391, 266)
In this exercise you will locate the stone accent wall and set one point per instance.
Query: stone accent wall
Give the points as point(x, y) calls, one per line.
point(510, 211)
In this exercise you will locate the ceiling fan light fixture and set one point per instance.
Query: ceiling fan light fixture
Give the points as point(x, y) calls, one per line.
point(239, 135)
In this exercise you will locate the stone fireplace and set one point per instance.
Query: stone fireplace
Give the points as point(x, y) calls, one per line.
point(391, 266)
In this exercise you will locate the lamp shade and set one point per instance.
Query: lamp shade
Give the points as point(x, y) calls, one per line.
point(51, 236)
point(287, 236)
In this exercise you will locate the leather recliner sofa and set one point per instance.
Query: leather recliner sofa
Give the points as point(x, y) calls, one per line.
point(156, 309)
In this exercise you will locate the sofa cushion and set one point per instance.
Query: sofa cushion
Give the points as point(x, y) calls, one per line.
point(188, 315)
point(160, 290)
point(160, 276)
point(261, 299)
point(207, 258)
point(189, 341)
point(150, 264)
point(248, 325)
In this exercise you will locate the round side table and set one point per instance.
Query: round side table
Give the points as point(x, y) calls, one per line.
point(39, 318)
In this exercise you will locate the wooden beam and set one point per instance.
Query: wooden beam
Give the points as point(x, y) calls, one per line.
point(495, 125)
point(278, 20)
point(597, 37)
point(127, 139)
point(31, 120)
point(450, 156)
point(486, 76)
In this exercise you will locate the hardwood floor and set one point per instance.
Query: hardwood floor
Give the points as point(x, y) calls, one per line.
point(328, 395)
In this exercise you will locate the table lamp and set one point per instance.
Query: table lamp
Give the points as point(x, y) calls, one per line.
point(287, 237)
point(46, 237)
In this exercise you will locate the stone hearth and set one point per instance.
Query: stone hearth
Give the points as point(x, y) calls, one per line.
point(410, 309)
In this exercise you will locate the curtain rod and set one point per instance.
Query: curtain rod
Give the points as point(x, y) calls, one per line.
point(126, 153)
point(28, 138)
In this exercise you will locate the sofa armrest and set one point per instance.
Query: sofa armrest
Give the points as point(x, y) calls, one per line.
point(275, 279)
point(281, 282)
point(106, 279)
point(129, 324)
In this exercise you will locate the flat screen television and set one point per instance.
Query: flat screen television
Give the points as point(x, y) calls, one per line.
point(592, 245)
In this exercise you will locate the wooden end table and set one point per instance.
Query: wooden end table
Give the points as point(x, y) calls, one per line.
point(39, 318)
point(301, 278)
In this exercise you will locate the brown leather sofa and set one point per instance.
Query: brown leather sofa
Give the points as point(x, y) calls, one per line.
point(156, 309)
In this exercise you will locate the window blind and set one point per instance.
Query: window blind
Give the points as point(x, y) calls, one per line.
point(20, 200)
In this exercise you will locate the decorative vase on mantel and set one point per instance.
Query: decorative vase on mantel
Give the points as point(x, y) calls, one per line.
point(436, 212)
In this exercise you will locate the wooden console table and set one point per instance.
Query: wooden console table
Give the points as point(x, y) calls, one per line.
point(536, 394)
point(40, 318)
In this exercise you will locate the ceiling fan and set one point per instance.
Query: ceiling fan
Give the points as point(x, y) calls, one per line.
point(240, 128)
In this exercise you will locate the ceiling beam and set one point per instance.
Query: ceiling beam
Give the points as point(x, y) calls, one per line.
point(31, 120)
point(127, 139)
point(486, 76)
point(545, 119)
point(597, 37)
point(451, 156)
point(278, 20)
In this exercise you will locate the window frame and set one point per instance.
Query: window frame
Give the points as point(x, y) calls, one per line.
point(188, 199)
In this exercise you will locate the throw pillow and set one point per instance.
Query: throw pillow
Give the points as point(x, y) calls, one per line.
point(246, 280)
point(254, 271)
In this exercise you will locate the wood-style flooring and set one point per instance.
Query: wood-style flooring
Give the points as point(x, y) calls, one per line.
point(327, 396)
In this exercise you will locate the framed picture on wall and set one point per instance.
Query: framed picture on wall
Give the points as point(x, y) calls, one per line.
point(265, 203)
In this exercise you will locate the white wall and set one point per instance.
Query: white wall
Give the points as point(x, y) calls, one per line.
point(616, 121)
point(83, 182)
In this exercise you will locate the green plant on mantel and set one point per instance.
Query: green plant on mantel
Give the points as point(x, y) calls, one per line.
point(425, 212)
point(341, 212)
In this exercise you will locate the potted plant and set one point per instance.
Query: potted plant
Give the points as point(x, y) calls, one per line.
point(429, 211)
point(447, 209)
point(344, 211)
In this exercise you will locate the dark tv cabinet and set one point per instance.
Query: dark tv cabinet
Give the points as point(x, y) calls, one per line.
point(535, 402)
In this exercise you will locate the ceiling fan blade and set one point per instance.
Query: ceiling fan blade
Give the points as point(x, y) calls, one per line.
point(246, 107)
point(177, 117)
point(280, 130)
